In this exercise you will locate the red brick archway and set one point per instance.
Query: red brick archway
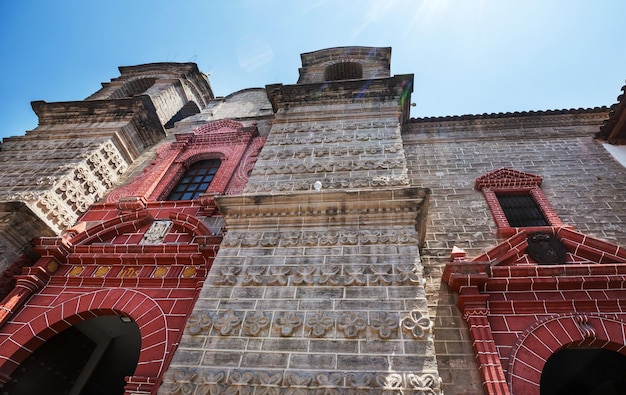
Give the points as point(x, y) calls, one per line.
point(543, 339)
point(29, 332)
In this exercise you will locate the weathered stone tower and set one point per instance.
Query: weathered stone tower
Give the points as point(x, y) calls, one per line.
point(318, 284)
point(82, 149)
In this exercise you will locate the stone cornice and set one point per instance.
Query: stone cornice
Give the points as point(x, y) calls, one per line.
point(138, 112)
point(110, 110)
point(336, 91)
point(189, 72)
point(557, 124)
point(567, 121)
point(387, 207)
point(508, 115)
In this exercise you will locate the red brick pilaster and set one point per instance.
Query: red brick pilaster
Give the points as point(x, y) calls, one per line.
point(475, 311)
point(30, 281)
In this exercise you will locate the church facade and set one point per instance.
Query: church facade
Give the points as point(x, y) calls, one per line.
point(310, 238)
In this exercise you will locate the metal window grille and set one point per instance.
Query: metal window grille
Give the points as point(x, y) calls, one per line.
point(521, 210)
point(196, 180)
point(343, 71)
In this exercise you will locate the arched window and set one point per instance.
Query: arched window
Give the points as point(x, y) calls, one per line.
point(196, 180)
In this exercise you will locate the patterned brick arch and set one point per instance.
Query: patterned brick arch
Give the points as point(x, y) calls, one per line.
point(122, 302)
point(113, 227)
point(546, 337)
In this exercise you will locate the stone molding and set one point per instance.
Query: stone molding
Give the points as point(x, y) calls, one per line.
point(335, 92)
point(322, 204)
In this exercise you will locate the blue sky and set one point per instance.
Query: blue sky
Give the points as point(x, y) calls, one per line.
point(468, 56)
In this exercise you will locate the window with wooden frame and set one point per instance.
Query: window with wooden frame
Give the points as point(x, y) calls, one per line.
point(517, 201)
point(196, 180)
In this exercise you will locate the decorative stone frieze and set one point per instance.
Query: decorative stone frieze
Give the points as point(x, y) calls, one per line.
point(319, 324)
point(316, 275)
point(351, 324)
point(385, 324)
point(60, 198)
point(293, 382)
point(326, 238)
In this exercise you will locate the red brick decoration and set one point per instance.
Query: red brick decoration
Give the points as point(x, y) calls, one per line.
point(47, 314)
point(234, 144)
point(108, 269)
point(507, 181)
point(543, 339)
point(111, 264)
point(520, 312)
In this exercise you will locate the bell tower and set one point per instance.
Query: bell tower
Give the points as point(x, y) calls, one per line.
point(318, 284)
point(82, 149)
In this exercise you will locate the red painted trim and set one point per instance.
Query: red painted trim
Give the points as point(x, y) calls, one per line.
point(26, 337)
point(504, 228)
point(545, 337)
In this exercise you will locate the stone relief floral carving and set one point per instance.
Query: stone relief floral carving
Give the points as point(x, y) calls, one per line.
point(287, 322)
point(351, 324)
point(417, 324)
point(290, 239)
point(407, 274)
point(183, 382)
point(268, 383)
point(329, 383)
point(316, 274)
point(255, 323)
point(329, 275)
point(279, 275)
point(239, 383)
point(361, 383)
point(425, 384)
point(349, 237)
point(385, 324)
point(212, 383)
point(320, 323)
point(381, 275)
point(304, 275)
point(198, 322)
point(355, 275)
point(390, 383)
point(227, 322)
point(228, 275)
point(298, 383)
point(254, 275)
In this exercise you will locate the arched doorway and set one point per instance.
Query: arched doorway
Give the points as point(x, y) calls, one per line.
point(92, 357)
point(587, 371)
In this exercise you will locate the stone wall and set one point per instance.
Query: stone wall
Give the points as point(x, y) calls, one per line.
point(319, 291)
point(584, 184)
